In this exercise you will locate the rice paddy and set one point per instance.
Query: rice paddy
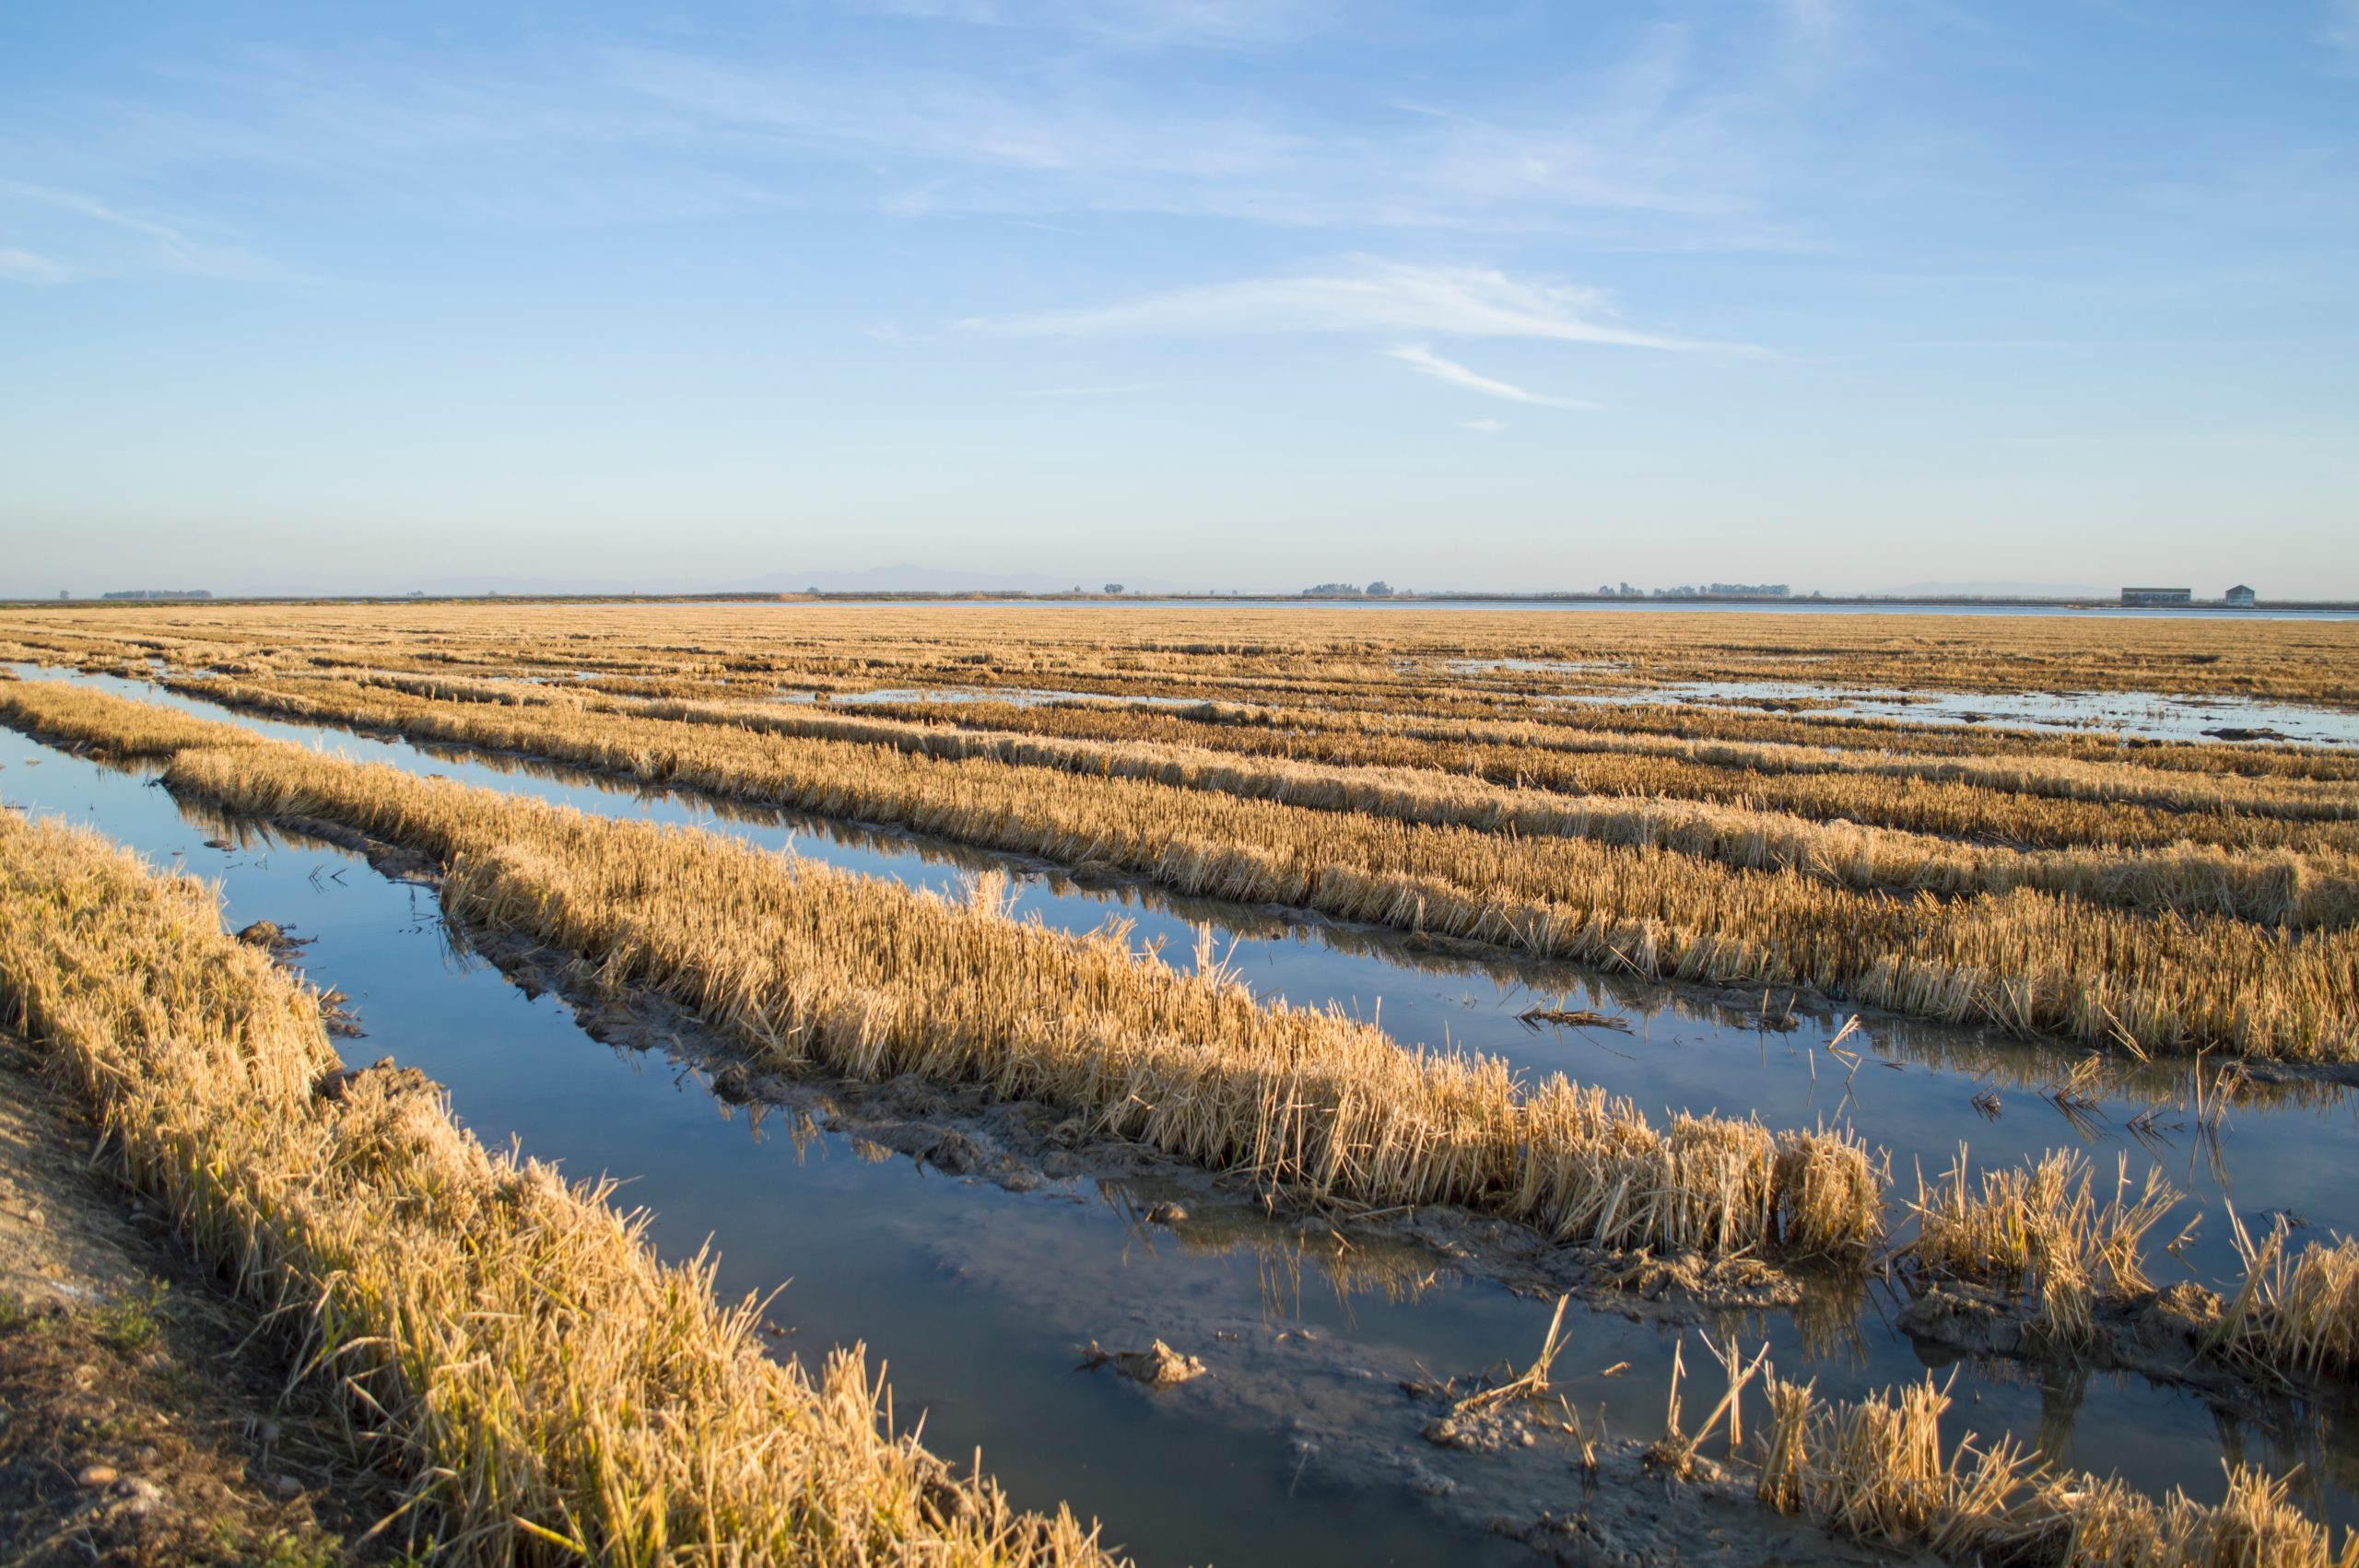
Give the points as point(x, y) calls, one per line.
point(2155, 938)
point(1878, 1469)
point(2108, 934)
point(626, 1416)
point(805, 965)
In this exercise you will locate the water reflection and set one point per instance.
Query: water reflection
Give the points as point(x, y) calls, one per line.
point(1775, 1019)
point(2269, 1140)
point(1395, 1271)
point(979, 1297)
point(2146, 715)
point(1014, 696)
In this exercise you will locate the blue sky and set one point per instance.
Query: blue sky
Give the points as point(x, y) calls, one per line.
point(1204, 293)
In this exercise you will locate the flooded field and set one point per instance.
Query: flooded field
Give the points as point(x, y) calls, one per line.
point(2150, 715)
point(1987, 925)
point(982, 1300)
point(1020, 697)
point(2143, 715)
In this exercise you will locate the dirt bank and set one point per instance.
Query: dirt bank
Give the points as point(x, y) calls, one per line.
point(142, 1420)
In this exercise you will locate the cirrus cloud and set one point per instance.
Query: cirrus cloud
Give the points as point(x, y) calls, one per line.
point(1450, 371)
point(1372, 296)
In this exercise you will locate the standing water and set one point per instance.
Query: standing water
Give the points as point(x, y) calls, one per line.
point(981, 1300)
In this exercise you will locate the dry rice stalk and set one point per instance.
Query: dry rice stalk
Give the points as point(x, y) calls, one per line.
point(2061, 952)
point(2288, 887)
point(2041, 1227)
point(1673, 1454)
point(2296, 1314)
point(1786, 1456)
point(1878, 1469)
point(552, 1392)
point(803, 963)
point(1532, 1382)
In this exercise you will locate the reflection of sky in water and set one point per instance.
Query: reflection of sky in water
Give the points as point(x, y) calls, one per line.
point(948, 1280)
point(1526, 666)
point(2148, 715)
point(1912, 1093)
point(1014, 696)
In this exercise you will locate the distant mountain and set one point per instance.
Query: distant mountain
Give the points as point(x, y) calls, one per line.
point(1999, 590)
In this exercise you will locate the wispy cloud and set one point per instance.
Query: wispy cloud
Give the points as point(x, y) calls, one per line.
point(1483, 426)
point(947, 119)
point(1373, 296)
point(1635, 142)
point(2342, 28)
point(1123, 389)
point(90, 207)
point(25, 266)
point(1647, 158)
point(1458, 375)
point(1135, 24)
point(85, 237)
point(1643, 147)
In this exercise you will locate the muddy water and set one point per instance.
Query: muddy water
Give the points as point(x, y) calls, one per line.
point(980, 1298)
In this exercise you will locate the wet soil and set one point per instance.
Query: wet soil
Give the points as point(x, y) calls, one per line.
point(969, 1132)
point(2165, 1336)
point(145, 1418)
point(1333, 1407)
point(1355, 1416)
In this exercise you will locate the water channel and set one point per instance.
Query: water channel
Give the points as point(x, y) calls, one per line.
point(980, 1299)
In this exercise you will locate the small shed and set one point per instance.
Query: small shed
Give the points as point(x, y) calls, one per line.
point(2238, 598)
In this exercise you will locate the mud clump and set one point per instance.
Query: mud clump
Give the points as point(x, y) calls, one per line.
point(337, 1017)
point(2170, 1335)
point(264, 934)
point(1157, 1367)
point(279, 942)
point(393, 1082)
point(1648, 1278)
point(956, 1153)
point(1491, 1431)
point(2180, 1321)
point(1571, 1018)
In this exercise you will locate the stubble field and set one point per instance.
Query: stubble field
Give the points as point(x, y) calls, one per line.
point(2078, 894)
